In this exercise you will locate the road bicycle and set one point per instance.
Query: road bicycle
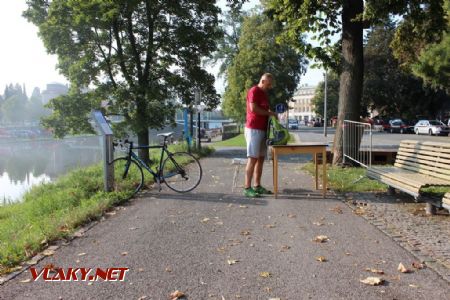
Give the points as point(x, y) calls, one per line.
point(180, 171)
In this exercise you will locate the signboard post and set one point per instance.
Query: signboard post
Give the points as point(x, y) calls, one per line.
point(105, 131)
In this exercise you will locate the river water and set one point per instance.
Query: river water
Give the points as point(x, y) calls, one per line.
point(24, 163)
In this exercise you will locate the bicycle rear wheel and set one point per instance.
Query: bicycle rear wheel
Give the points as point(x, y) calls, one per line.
point(128, 176)
point(181, 172)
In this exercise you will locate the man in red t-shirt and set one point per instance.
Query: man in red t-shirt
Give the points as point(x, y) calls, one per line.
point(258, 112)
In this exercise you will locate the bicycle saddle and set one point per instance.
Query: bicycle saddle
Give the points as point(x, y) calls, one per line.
point(167, 134)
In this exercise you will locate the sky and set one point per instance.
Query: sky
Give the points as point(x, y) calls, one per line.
point(24, 60)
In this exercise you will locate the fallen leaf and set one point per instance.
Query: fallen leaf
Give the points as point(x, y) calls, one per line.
point(402, 268)
point(205, 220)
point(418, 265)
point(267, 289)
point(25, 280)
point(81, 254)
point(376, 271)
point(337, 209)
point(317, 223)
point(321, 239)
point(221, 249)
point(124, 253)
point(243, 206)
point(232, 261)
point(413, 285)
point(51, 267)
point(48, 252)
point(372, 281)
point(176, 295)
point(140, 270)
point(285, 248)
point(168, 270)
point(348, 253)
point(292, 216)
point(274, 298)
point(265, 274)
point(110, 213)
point(269, 226)
point(321, 258)
point(133, 228)
point(245, 232)
point(142, 298)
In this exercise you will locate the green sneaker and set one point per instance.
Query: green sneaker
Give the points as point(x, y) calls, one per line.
point(251, 193)
point(260, 190)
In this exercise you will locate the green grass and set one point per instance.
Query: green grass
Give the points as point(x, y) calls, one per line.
point(348, 179)
point(54, 210)
point(353, 179)
point(237, 141)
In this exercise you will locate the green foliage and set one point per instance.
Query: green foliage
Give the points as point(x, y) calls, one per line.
point(138, 55)
point(433, 63)
point(332, 96)
point(391, 90)
point(260, 53)
point(237, 141)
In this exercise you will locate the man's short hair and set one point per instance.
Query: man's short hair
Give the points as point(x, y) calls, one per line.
point(267, 76)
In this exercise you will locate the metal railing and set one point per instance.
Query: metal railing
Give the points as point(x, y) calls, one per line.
point(357, 143)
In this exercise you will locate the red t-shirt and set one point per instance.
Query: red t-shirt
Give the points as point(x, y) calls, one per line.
point(258, 96)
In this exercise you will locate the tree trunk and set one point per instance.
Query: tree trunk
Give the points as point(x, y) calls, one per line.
point(143, 132)
point(351, 78)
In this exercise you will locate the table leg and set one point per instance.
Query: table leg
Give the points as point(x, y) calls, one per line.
point(324, 172)
point(275, 173)
point(316, 167)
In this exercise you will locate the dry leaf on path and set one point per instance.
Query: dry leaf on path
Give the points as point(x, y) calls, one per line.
point(124, 253)
point(372, 281)
point(232, 261)
point(48, 252)
point(318, 223)
point(402, 268)
point(168, 270)
point(321, 258)
point(292, 216)
point(176, 295)
point(418, 265)
point(321, 239)
point(81, 254)
point(205, 220)
point(265, 274)
point(413, 285)
point(25, 280)
point(285, 248)
point(337, 209)
point(269, 225)
point(376, 271)
point(245, 232)
point(243, 206)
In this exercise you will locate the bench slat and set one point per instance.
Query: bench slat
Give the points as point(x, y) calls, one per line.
point(423, 152)
point(434, 166)
point(421, 155)
point(412, 178)
point(423, 170)
point(439, 149)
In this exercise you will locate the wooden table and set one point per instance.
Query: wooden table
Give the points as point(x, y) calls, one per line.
point(313, 148)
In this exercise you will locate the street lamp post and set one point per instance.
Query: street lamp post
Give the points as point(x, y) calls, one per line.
point(325, 107)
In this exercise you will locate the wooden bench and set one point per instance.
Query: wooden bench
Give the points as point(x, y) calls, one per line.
point(417, 165)
point(446, 201)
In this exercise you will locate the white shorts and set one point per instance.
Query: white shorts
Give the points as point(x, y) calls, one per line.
point(256, 142)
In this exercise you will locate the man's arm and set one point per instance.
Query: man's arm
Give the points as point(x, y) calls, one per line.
point(260, 111)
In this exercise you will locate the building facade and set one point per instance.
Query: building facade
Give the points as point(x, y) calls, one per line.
point(54, 90)
point(302, 108)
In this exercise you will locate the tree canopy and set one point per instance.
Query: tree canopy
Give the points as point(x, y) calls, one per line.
point(421, 21)
point(260, 53)
point(140, 55)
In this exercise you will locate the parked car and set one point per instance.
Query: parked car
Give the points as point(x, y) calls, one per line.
point(293, 124)
point(400, 126)
point(431, 127)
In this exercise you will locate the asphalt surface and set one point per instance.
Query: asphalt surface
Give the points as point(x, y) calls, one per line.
point(186, 242)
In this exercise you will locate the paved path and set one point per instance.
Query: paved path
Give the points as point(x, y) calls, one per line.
point(184, 242)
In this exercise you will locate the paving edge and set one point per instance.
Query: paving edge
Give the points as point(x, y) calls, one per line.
point(441, 270)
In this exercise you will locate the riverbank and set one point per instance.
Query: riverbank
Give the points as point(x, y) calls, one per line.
point(53, 211)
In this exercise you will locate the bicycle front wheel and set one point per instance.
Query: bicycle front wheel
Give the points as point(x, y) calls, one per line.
point(181, 172)
point(128, 176)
